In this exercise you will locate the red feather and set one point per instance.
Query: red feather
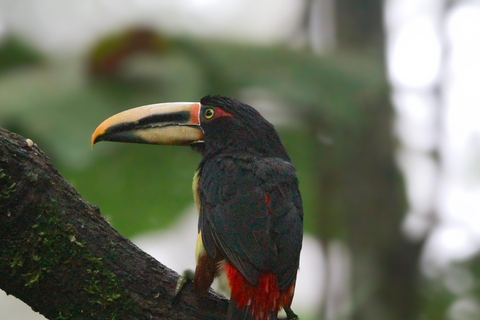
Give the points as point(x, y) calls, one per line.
point(267, 201)
point(263, 299)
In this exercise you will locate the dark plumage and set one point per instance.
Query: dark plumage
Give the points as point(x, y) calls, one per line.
point(243, 163)
point(246, 190)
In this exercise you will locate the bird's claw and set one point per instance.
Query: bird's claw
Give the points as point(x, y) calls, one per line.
point(290, 314)
point(186, 277)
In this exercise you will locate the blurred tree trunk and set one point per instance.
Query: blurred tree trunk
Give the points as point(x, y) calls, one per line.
point(362, 202)
point(359, 24)
point(361, 192)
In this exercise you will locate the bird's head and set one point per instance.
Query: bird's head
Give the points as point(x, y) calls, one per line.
point(215, 124)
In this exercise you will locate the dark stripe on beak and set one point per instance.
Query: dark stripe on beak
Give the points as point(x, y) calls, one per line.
point(165, 119)
point(152, 121)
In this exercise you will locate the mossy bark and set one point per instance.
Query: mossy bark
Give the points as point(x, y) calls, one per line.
point(61, 257)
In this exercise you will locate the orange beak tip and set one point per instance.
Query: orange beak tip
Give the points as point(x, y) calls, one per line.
point(99, 131)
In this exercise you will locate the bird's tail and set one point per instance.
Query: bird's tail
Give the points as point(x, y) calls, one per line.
point(235, 313)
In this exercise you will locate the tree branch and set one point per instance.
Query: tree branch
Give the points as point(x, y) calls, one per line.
point(61, 257)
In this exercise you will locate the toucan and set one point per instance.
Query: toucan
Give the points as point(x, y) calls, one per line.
point(250, 223)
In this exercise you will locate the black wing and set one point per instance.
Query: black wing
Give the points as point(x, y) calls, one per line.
point(235, 217)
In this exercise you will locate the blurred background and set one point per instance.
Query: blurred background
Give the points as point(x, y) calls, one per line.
point(376, 101)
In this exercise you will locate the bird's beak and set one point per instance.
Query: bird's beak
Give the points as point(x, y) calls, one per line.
point(164, 123)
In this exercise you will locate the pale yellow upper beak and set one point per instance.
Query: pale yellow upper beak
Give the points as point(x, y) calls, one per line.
point(174, 123)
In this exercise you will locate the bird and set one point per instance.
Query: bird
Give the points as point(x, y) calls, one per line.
point(250, 223)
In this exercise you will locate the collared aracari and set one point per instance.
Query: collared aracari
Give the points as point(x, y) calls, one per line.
point(246, 191)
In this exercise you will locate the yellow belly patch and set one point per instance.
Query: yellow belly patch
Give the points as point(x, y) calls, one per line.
point(199, 249)
point(196, 195)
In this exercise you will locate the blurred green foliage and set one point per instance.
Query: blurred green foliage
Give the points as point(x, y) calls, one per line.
point(58, 105)
point(15, 53)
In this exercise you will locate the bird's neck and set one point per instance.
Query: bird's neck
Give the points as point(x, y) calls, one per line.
point(256, 148)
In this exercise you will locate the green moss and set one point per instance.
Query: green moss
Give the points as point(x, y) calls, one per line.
point(63, 316)
point(32, 176)
point(51, 246)
point(17, 261)
point(8, 187)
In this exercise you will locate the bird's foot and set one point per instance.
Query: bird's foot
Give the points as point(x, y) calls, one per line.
point(185, 278)
point(290, 314)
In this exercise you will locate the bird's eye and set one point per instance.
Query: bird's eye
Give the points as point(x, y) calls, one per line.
point(209, 113)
